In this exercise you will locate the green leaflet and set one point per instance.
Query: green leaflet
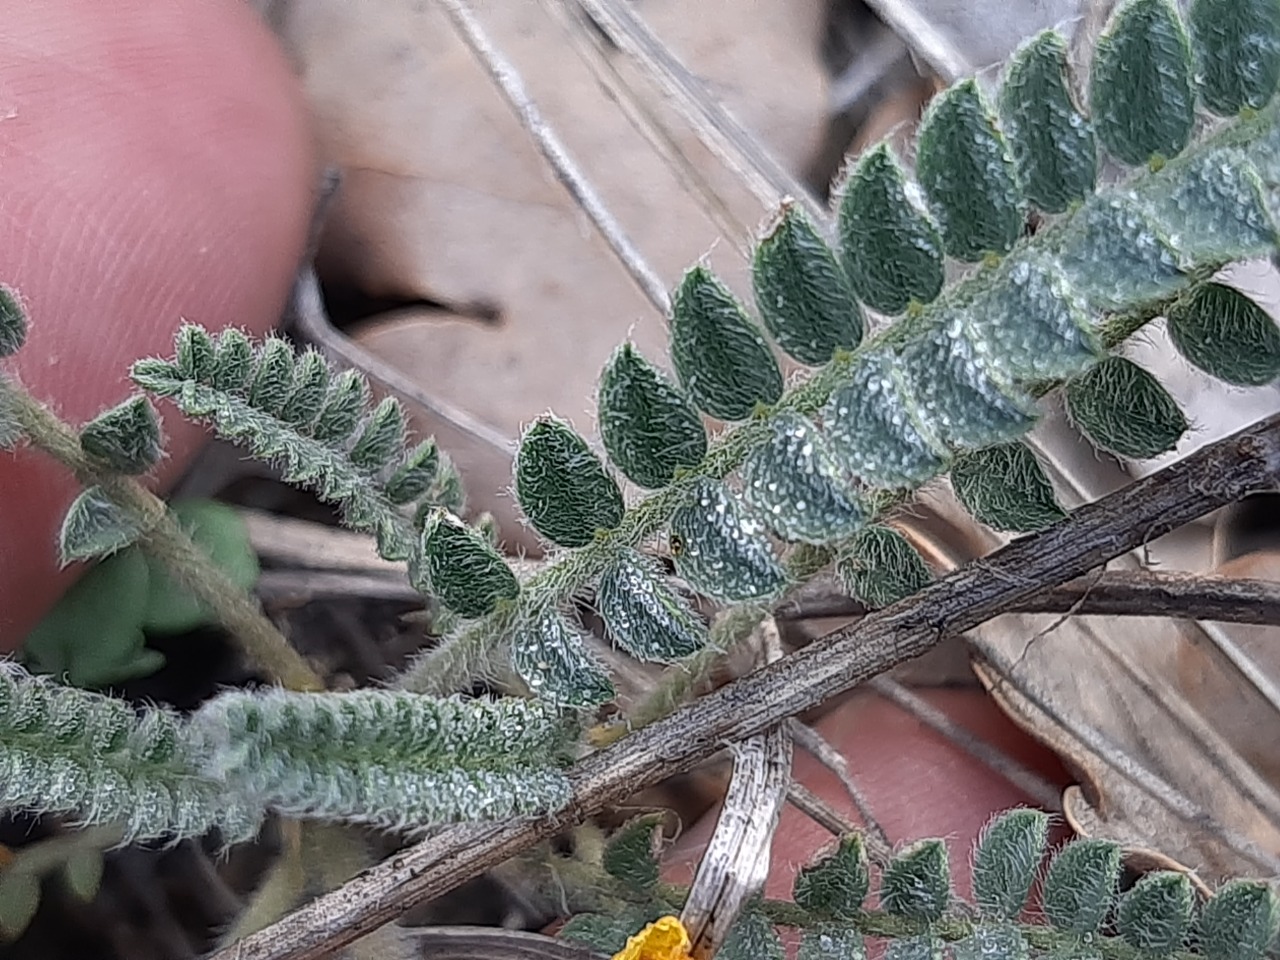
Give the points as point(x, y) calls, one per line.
point(917, 882)
point(1156, 913)
point(881, 567)
point(95, 526)
point(794, 483)
point(1080, 885)
point(1237, 46)
point(1007, 861)
point(416, 473)
point(1113, 254)
point(836, 885)
point(992, 942)
point(892, 251)
point(19, 901)
point(458, 567)
point(550, 656)
point(1005, 487)
point(563, 487)
point(955, 394)
point(344, 402)
point(874, 429)
point(11, 432)
point(310, 385)
point(831, 941)
point(720, 356)
point(1211, 209)
point(1226, 335)
point(1240, 921)
point(802, 293)
point(13, 321)
point(648, 426)
point(608, 933)
point(1032, 323)
point(194, 353)
point(751, 938)
point(381, 437)
point(1050, 140)
point(721, 552)
point(126, 437)
point(272, 379)
point(1141, 96)
point(965, 167)
point(1124, 409)
point(233, 360)
point(631, 853)
point(644, 615)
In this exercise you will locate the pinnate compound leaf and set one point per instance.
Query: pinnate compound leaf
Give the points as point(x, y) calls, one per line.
point(13, 321)
point(563, 487)
point(964, 166)
point(1005, 487)
point(631, 854)
point(1123, 408)
point(802, 293)
point(1141, 94)
point(1114, 255)
point(1050, 140)
point(644, 615)
point(649, 427)
point(96, 526)
point(955, 394)
point(835, 886)
point(752, 938)
point(415, 475)
point(1007, 860)
point(126, 437)
point(1081, 884)
point(917, 882)
point(1240, 922)
point(891, 248)
point(831, 941)
point(718, 352)
point(1227, 335)
point(550, 656)
point(1155, 914)
point(992, 942)
point(793, 481)
point(882, 567)
point(722, 552)
point(1033, 325)
point(874, 428)
point(460, 568)
point(1237, 47)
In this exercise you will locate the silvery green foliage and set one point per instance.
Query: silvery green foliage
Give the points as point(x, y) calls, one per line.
point(630, 855)
point(126, 437)
point(1007, 860)
point(13, 322)
point(835, 885)
point(881, 567)
point(992, 942)
point(720, 355)
point(563, 487)
point(1080, 885)
point(460, 568)
point(720, 549)
point(802, 293)
point(643, 614)
point(1156, 913)
point(831, 942)
point(95, 526)
point(1123, 408)
point(649, 427)
point(550, 655)
point(390, 759)
point(752, 938)
point(1237, 53)
point(1006, 488)
point(1240, 922)
point(95, 759)
point(1226, 335)
point(917, 882)
point(796, 484)
point(315, 423)
point(924, 947)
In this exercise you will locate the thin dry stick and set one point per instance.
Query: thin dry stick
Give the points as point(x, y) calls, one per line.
point(165, 540)
point(553, 149)
point(1216, 475)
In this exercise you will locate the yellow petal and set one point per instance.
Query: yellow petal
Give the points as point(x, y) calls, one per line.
point(664, 939)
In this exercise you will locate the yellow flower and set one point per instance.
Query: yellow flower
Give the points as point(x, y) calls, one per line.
point(664, 939)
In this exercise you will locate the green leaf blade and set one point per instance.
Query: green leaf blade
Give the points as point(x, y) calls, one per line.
point(1005, 487)
point(631, 853)
point(415, 475)
point(1240, 922)
point(802, 293)
point(644, 615)
point(1050, 140)
point(881, 567)
point(563, 487)
point(550, 656)
point(1007, 860)
point(1080, 885)
point(835, 886)
point(96, 526)
point(721, 551)
point(1141, 93)
point(381, 437)
point(13, 321)
point(719, 355)
point(1227, 335)
point(892, 250)
point(460, 568)
point(992, 942)
point(965, 167)
point(1123, 409)
point(1155, 914)
point(1237, 47)
point(126, 437)
point(917, 882)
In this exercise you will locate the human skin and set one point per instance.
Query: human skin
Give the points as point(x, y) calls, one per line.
point(157, 166)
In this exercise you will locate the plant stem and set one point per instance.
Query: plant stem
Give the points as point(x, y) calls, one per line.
point(165, 540)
